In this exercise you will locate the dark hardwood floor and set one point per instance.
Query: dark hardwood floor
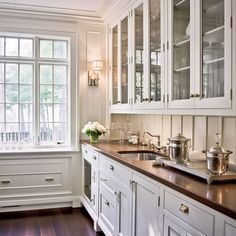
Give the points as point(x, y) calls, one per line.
point(53, 222)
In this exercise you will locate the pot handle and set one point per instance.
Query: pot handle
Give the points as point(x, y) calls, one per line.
point(229, 152)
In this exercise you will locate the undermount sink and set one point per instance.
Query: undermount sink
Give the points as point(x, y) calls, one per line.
point(142, 156)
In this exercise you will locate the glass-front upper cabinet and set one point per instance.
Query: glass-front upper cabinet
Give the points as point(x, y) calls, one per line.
point(181, 84)
point(215, 83)
point(148, 55)
point(115, 65)
point(120, 64)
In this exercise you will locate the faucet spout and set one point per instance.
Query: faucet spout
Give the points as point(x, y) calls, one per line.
point(153, 136)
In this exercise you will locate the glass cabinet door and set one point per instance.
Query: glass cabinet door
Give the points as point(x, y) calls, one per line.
point(181, 50)
point(213, 48)
point(124, 60)
point(139, 55)
point(115, 65)
point(155, 50)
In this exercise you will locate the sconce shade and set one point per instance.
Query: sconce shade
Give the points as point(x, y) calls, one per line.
point(97, 65)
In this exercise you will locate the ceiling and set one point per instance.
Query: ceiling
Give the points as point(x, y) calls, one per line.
point(94, 8)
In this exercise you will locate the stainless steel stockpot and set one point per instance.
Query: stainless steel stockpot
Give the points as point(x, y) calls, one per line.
point(217, 160)
point(179, 149)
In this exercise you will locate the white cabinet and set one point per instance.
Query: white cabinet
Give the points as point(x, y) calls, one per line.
point(90, 181)
point(120, 63)
point(199, 54)
point(146, 207)
point(115, 198)
point(186, 215)
point(178, 54)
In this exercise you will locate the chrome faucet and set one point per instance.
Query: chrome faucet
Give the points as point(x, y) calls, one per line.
point(153, 136)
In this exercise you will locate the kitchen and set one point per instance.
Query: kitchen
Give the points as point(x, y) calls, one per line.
point(124, 73)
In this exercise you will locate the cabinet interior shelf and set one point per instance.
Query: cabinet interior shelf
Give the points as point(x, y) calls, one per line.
point(214, 61)
point(182, 69)
point(214, 35)
point(182, 42)
point(215, 9)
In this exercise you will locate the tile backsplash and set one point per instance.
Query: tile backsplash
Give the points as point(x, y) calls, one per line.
point(200, 129)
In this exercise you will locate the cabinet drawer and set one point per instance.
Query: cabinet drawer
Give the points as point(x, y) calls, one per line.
point(191, 214)
point(30, 177)
point(112, 168)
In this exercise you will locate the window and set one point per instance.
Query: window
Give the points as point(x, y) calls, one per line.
point(34, 85)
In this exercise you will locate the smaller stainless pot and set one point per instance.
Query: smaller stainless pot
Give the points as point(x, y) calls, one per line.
point(217, 160)
point(179, 149)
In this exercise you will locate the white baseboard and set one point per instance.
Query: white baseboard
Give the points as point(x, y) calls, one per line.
point(40, 203)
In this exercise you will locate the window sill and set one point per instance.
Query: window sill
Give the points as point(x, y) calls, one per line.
point(41, 150)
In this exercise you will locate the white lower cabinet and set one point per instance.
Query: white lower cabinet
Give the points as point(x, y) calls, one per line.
point(115, 196)
point(132, 204)
point(146, 207)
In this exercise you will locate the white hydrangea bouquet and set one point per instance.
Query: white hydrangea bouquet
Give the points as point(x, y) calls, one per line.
point(94, 130)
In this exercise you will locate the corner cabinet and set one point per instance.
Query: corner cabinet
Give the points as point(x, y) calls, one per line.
point(178, 54)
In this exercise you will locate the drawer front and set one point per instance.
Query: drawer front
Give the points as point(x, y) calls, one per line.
point(107, 209)
point(87, 153)
point(30, 177)
point(95, 158)
point(112, 168)
point(196, 217)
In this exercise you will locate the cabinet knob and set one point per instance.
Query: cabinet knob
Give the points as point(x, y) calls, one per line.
point(103, 180)
point(192, 96)
point(118, 102)
point(5, 181)
point(94, 157)
point(111, 167)
point(184, 209)
point(107, 203)
point(197, 95)
point(49, 179)
point(85, 151)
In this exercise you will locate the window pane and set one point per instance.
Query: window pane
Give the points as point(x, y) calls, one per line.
point(11, 131)
point(46, 48)
point(12, 47)
point(26, 47)
point(12, 112)
point(26, 132)
point(60, 93)
point(1, 72)
point(60, 49)
point(45, 74)
point(26, 113)
point(60, 113)
point(11, 93)
point(26, 73)
point(1, 93)
point(60, 132)
point(1, 46)
point(46, 94)
point(1, 112)
point(11, 73)
point(26, 93)
point(46, 130)
point(60, 74)
point(46, 113)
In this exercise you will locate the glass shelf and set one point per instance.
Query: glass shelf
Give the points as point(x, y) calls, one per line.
point(182, 42)
point(182, 69)
point(214, 35)
point(214, 61)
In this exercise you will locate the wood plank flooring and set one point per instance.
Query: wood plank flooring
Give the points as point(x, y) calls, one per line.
point(53, 222)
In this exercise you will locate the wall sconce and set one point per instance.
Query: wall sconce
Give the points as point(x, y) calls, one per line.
point(94, 73)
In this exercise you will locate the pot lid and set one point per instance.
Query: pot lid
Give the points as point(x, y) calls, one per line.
point(216, 149)
point(179, 138)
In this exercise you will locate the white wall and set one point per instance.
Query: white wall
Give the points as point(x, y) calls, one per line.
point(200, 129)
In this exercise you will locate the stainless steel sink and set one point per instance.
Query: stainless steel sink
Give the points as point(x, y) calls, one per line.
point(142, 156)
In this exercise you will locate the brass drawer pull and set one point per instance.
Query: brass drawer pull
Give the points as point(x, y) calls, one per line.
point(107, 203)
point(184, 209)
point(5, 181)
point(111, 167)
point(49, 179)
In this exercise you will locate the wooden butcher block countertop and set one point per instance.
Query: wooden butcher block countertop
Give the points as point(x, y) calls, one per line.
point(220, 196)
